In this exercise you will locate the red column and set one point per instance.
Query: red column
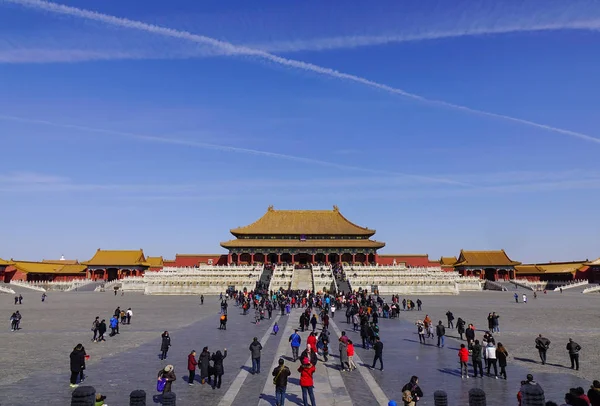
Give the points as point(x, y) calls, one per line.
point(293, 257)
point(353, 258)
point(278, 258)
point(251, 258)
point(229, 258)
point(313, 258)
point(327, 258)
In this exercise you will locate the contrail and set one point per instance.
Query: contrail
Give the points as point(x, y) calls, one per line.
point(356, 41)
point(226, 148)
point(231, 49)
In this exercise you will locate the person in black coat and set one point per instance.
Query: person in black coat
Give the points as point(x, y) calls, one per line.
point(217, 358)
point(413, 387)
point(204, 365)
point(101, 330)
point(165, 344)
point(77, 364)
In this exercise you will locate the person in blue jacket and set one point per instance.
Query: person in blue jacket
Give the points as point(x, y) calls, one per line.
point(295, 341)
point(114, 323)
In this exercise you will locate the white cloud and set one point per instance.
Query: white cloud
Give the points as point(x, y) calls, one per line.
point(229, 49)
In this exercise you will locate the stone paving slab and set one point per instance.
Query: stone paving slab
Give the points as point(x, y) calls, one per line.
point(329, 386)
point(38, 354)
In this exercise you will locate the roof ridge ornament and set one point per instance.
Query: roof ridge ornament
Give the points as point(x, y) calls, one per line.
point(270, 208)
point(336, 209)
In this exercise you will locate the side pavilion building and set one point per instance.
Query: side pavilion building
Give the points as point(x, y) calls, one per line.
point(490, 265)
point(302, 237)
point(109, 265)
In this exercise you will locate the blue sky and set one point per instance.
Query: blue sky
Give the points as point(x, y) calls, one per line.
point(161, 125)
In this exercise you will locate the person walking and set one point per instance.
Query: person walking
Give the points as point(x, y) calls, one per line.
point(201, 299)
point(470, 335)
point(421, 331)
point(524, 298)
point(419, 304)
point(343, 347)
point(440, 332)
point(192, 364)
point(501, 356)
point(516, 298)
point(476, 359)
point(313, 322)
point(311, 341)
point(114, 324)
point(463, 358)
point(275, 329)
point(378, 347)
point(204, 365)
point(295, 341)
point(223, 322)
point(164, 345)
point(255, 349)
point(306, 382)
point(490, 355)
point(350, 350)
point(95, 325)
point(542, 344)
point(77, 358)
point(168, 374)
point(101, 330)
point(594, 393)
point(574, 349)
point(531, 392)
point(217, 359)
point(460, 327)
point(128, 315)
point(450, 318)
point(281, 374)
point(413, 387)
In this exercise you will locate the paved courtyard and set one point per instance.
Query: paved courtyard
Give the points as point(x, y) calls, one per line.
point(36, 358)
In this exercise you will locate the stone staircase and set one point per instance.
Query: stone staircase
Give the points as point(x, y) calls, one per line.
point(302, 279)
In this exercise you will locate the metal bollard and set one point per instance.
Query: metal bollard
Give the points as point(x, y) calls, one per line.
point(83, 396)
point(137, 398)
point(169, 399)
point(477, 397)
point(440, 398)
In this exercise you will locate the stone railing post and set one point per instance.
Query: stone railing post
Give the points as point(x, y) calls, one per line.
point(477, 397)
point(137, 398)
point(169, 399)
point(83, 396)
point(440, 398)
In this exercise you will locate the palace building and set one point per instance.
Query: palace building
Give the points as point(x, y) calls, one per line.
point(302, 237)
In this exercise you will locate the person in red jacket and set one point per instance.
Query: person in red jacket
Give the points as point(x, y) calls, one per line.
point(350, 352)
point(192, 364)
point(463, 357)
point(312, 342)
point(306, 381)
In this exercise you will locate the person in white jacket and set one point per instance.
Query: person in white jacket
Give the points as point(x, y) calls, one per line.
point(490, 353)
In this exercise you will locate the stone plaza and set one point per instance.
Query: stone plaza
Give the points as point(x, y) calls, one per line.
point(36, 358)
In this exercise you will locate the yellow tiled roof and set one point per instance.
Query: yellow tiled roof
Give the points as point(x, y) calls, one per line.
point(4, 263)
point(484, 258)
point(118, 258)
point(154, 261)
point(447, 261)
point(44, 267)
point(272, 243)
point(592, 263)
point(298, 222)
point(565, 267)
point(61, 261)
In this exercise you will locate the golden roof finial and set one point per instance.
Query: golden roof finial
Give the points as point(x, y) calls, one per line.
point(270, 208)
point(335, 208)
